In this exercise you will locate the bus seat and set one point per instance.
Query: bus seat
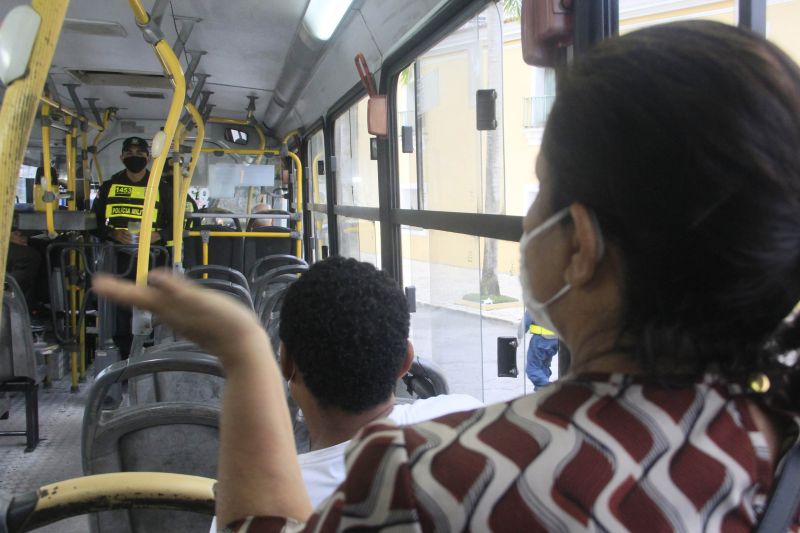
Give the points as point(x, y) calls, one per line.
point(218, 272)
point(265, 264)
point(19, 369)
point(184, 375)
point(178, 433)
point(223, 251)
point(266, 284)
point(234, 289)
point(425, 379)
point(256, 248)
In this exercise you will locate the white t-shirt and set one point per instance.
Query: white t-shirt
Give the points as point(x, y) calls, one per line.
point(323, 470)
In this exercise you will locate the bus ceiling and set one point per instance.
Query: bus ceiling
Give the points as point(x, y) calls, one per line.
point(291, 56)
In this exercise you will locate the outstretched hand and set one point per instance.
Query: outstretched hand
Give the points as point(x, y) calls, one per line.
point(213, 320)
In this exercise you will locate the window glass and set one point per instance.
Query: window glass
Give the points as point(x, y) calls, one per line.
point(783, 19)
point(360, 239)
point(458, 167)
point(320, 232)
point(356, 172)
point(316, 155)
point(635, 14)
point(457, 325)
point(407, 147)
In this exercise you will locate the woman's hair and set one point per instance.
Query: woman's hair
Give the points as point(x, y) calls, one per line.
point(685, 141)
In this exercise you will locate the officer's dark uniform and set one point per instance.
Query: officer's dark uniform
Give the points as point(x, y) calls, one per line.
point(119, 202)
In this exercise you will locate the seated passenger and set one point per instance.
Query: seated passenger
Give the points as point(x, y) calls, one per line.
point(663, 248)
point(255, 223)
point(342, 372)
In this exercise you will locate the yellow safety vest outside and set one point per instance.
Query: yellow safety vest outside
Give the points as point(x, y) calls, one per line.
point(539, 330)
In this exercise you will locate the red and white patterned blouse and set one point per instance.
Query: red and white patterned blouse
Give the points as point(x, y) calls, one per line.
point(591, 453)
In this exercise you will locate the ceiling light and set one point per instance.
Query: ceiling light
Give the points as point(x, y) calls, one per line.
point(323, 16)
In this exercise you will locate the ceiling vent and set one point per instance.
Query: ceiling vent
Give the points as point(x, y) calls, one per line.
point(120, 78)
point(105, 28)
point(130, 126)
point(144, 94)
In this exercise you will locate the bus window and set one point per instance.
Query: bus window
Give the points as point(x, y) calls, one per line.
point(635, 14)
point(356, 173)
point(360, 239)
point(782, 24)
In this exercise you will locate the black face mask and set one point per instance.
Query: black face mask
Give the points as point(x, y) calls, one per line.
point(135, 163)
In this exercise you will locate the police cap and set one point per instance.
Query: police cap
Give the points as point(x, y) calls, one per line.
point(137, 142)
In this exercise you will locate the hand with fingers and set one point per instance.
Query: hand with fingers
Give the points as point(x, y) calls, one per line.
point(215, 321)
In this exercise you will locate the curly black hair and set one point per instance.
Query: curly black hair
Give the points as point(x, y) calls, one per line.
point(345, 325)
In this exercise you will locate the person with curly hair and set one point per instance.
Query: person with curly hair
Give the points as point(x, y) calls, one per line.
point(344, 344)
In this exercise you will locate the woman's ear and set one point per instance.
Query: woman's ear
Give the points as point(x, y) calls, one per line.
point(587, 246)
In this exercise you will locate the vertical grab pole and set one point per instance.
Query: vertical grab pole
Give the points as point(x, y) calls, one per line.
point(72, 205)
point(173, 68)
point(70, 142)
point(177, 237)
point(177, 199)
point(107, 115)
point(85, 166)
point(48, 185)
point(299, 194)
point(18, 112)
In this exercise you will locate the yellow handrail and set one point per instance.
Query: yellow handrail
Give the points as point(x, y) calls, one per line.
point(19, 111)
point(255, 234)
point(239, 151)
point(48, 175)
point(72, 201)
point(198, 143)
point(290, 135)
point(69, 112)
point(120, 490)
point(85, 167)
point(107, 116)
point(177, 186)
point(299, 193)
point(172, 67)
point(180, 212)
point(262, 138)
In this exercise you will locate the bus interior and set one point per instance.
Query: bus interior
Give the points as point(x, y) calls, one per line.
point(280, 148)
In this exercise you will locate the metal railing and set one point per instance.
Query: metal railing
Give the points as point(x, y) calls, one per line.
point(535, 110)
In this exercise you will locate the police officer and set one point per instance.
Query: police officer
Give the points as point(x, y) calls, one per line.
point(120, 200)
point(119, 208)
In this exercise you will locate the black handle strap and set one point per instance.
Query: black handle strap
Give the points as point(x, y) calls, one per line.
point(783, 505)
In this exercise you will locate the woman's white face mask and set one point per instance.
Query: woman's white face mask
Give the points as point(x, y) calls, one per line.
point(537, 308)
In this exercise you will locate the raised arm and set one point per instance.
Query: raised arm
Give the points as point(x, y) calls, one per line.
point(258, 469)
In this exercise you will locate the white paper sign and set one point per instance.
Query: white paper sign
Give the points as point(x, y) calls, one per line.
point(223, 178)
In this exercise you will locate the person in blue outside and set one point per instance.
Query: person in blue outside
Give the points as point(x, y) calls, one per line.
point(542, 347)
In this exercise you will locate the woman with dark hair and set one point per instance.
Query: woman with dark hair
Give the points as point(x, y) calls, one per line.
point(664, 248)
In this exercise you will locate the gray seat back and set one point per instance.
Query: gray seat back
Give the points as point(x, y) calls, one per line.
point(265, 264)
point(425, 379)
point(174, 430)
point(17, 353)
point(217, 272)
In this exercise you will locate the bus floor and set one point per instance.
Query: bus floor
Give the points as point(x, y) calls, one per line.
point(58, 455)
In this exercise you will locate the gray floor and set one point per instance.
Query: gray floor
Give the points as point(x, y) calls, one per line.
point(57, 457)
